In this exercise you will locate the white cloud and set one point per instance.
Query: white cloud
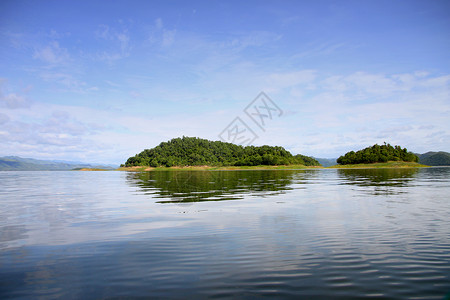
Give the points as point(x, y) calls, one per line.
point(12, 100)
point(3, 119)
point(52, 54)
point(158, 23)
point(279, 81)
point(160, 35)
point(330, 119)
point(103, 32)
point(115, 42)
point(370, 108)
point(168, 37)
point(124, 41)
point(65, 79)
point(319, 48)
point(46, 131)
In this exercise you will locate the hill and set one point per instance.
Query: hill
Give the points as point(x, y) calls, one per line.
point(377, 154)
point(327, 162)
point(15, 163)
point(192, 151)
point(440, 158)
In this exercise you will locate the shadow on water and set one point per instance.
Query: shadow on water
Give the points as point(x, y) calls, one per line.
point(196, 186)
point(382, 181)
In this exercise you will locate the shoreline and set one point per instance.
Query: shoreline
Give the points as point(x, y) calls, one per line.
point(213, 168)
point(387, 165)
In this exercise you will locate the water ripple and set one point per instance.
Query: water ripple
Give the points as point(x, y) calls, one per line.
point(297, 234)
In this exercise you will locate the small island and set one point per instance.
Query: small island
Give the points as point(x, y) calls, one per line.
point(196, 153)
point(379, 156)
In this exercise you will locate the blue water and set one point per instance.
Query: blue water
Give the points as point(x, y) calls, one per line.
point(340, 234)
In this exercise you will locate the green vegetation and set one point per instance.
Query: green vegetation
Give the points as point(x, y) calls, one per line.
point(213, 168)
point(440, 158)
point(390, 164)
point(306, 160)
point(377, 154)
point(90, 169)
point(192, 151)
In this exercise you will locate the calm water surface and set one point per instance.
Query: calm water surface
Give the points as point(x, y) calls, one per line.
point(226, 234)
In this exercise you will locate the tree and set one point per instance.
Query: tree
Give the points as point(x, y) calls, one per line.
point(192, 151)
point(377, 153)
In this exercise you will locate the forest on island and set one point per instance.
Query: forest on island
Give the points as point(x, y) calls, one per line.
point(193, 151)
point(377, 153)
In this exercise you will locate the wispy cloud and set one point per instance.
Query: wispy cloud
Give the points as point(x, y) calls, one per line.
point(160, 35)
point(3, 118)
point(320, 48)
point(53, 62)
point(12, 100)
point(52, 54)
point(282, 80)
point(116, 42)
point(63, 78)
point(168, 37)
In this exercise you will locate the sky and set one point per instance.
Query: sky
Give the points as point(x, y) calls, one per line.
point(99, 81)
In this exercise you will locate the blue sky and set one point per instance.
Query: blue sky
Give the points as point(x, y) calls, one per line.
point(99, 81)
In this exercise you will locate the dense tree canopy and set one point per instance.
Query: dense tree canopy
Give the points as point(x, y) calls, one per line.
point(192, 151)
point(377, 153)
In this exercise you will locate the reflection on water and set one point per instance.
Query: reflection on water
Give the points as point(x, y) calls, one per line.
point(376, 177)
point(379, 181)
point(195, 186)
point(374, 182)
point(327, 234)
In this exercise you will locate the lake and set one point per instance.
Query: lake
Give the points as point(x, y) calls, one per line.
point(329, 234)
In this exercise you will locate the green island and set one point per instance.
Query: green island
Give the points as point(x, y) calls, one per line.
point(379, 156)
point(192, 153)
point(196, 153)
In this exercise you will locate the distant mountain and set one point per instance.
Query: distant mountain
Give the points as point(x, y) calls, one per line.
point(326, 162)
point(440, 158)
point(15, 163)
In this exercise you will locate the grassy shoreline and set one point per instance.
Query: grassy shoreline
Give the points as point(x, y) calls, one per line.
point(391, 164)
point(388, 165)
point(212, 168)
point(91, 169)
